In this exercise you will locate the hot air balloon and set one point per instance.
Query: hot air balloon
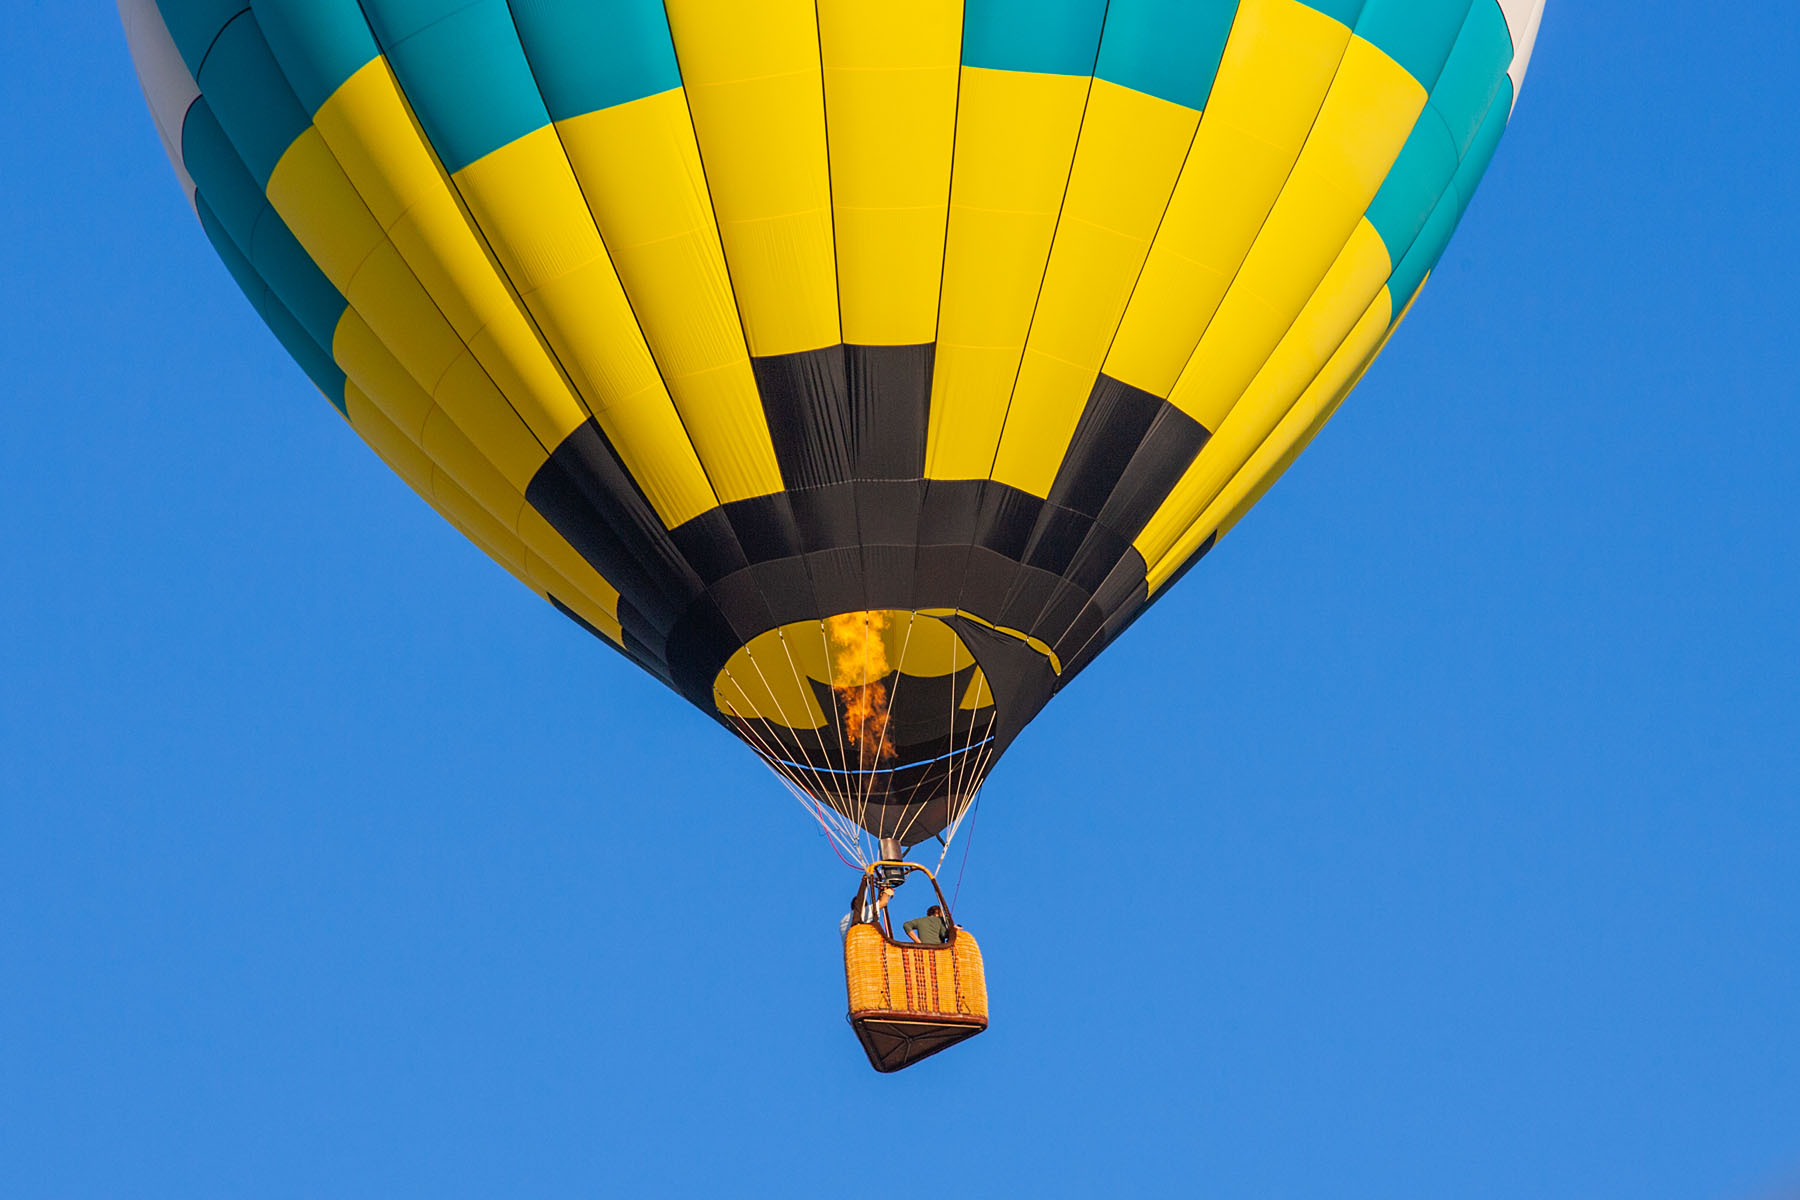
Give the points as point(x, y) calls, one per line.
point(860, 369)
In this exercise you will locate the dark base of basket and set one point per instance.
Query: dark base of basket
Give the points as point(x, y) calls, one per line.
point(896, 1040)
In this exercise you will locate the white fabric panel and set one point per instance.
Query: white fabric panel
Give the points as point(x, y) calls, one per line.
point(168, 86)
point(1522, 18)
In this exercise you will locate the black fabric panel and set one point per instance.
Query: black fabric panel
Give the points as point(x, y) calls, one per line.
point(1113, 423)
point(838, 581)
point(711, 545)
point(1030, 592)
point(890, 403)
point(987, 581)
point(1123, 595)
point(1060, 532)
point(888, 512)
point(889, 577)
point(765, 527)
point(826, 517)
point(744, 606)
point(700, 646)
point(1021, 679)
point(949, 512)
point(1005, 519)
point(1074, 644)
point(937, 573)
point(1061, 612)
point(1170, 446)
point(588, 497)
point(806, 400)
point(1098, 554)
point(636, 625)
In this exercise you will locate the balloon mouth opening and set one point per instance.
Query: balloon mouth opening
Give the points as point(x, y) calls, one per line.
point(882, 716)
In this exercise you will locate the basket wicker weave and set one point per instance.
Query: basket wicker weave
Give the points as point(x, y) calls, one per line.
point(907, 1000)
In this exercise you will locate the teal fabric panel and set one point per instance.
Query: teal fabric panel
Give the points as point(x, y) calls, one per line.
point(1343, 11)
point(315, 359)
point(1429, 246)
point(1419, 260)
point(193, 24)
point(592, 54)
point(238, 212)
point(293, 276)
point(1169, 49)
point(237, 203)
point(319, 44)
point(225, 245)
point(1417, 34)
point(1052, 37)
point(463, 70)
point(1419, 177)
point(1474, 73)
point(251, 98)
point(1481, 150)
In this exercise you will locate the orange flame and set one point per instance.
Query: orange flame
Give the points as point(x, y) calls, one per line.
point(859, 663)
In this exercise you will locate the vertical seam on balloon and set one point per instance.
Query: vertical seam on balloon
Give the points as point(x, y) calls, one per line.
point(837, 282)
point(600, 235)
point(1000, 438)
point(746, 335)
point(1050, 250)
point(1044, 515)
point(988, 482)
point(1150, 246)
point(1324, 99)
point(937, 323)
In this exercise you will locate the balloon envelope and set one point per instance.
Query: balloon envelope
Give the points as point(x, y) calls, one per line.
point(859, 368)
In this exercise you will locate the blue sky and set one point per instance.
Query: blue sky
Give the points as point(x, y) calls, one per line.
point(1437, 837)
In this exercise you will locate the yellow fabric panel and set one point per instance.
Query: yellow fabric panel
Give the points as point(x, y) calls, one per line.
point(639, 167)
point(752, 78)
point(1132, 147)
point(1365, 121)
point(479, 410)
point(377, 144)
point(768, 677)
point(890, 109)
point(978, 694)
point(1278, 65)
point(525, 199)
point(316, 200)
point(382, 380)
point(456, 455)
point(1326, 351)
point(1015, 144)
point(413, 344)
point(390, 443)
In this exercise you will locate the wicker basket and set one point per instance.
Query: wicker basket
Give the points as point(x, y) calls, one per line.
point(908, 1001)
